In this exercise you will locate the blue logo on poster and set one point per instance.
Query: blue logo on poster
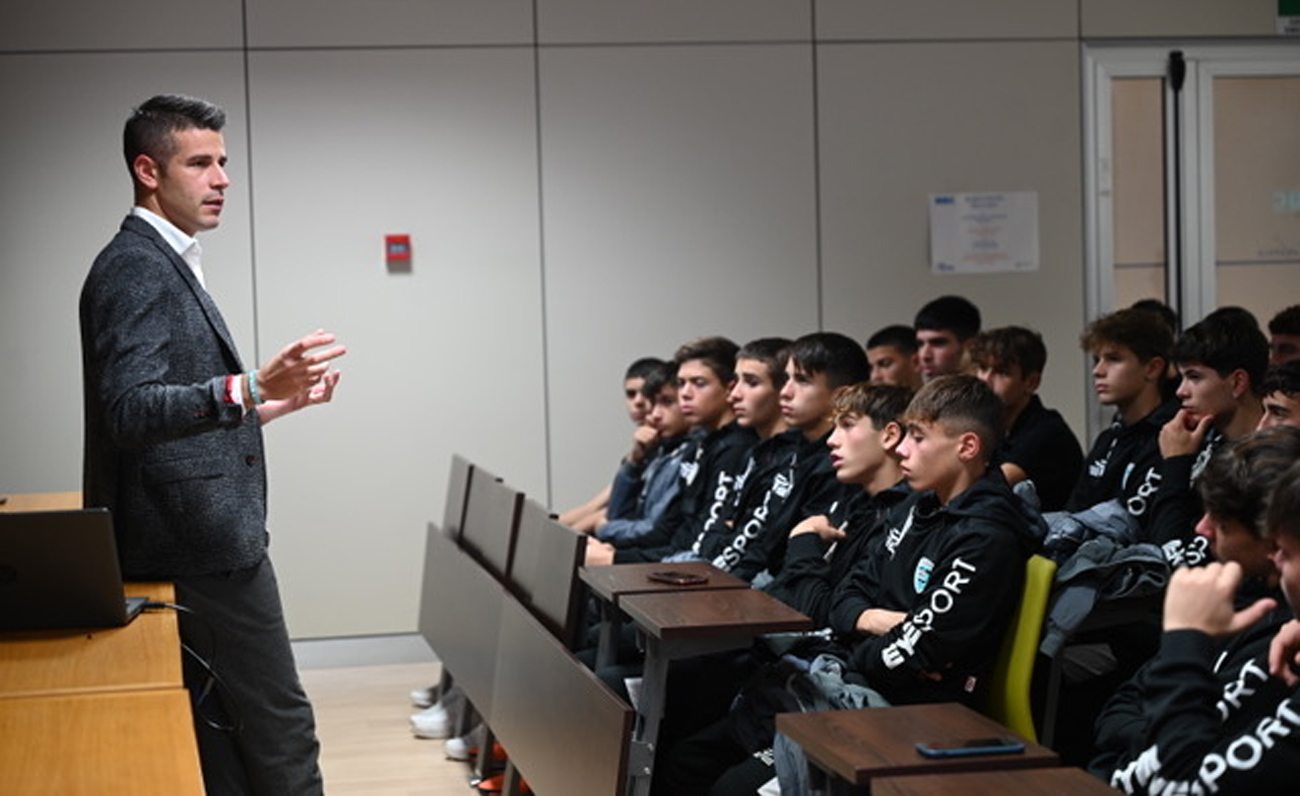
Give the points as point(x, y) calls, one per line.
point(921, 577)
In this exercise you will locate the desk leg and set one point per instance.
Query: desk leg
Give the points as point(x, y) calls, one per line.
point(650, 708)
point(607, 647)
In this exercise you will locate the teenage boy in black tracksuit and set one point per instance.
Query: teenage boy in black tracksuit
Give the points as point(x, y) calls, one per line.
point(1039, 445)
point(823, 549)
point(923, 615)
point(1207, 733)
point(817, 365)
point(755, 403)
point(1130, 354)
point(705, 370)
point(1235, 488)
point(1221, 362)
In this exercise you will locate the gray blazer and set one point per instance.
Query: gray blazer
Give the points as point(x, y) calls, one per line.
point(181, 469)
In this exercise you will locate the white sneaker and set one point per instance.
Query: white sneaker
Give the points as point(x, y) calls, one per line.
point(432, 722)
point(424, 697)
point(459, 748)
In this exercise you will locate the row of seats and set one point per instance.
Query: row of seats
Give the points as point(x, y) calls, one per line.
point(501, 607)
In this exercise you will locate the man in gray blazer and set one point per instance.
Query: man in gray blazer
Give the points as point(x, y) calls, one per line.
point(173, 446)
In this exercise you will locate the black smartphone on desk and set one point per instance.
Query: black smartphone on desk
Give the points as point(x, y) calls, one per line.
point(677, 578)
point(972, 747)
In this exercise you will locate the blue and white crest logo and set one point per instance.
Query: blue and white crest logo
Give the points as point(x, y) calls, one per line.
point(921, 577)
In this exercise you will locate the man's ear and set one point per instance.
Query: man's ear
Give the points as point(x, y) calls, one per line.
point(969, 447)
point(146, 171)
point(1240, 382)
point(1155, 368)
point(1034, 380)
point(890, 436)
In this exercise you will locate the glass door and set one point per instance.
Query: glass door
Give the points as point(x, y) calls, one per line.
point(1193, 179)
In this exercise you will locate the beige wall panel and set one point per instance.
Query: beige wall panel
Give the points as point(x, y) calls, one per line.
point(1161, 18)
point(350, 146)
point(679, 202)
point(127, 25)
point(946, 19)
point(601, 21)
point(952, 118)
point(65, 192)
point(388, 23)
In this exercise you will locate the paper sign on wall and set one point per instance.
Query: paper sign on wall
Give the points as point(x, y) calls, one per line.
point(983, 233)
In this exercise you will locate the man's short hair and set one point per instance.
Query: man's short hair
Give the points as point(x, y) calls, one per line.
point(883, 403)
point(1162, 310)
point(839, 357)
point(1286, 322)
point(642, 366)
point(952, 313)
point(149, 130)
point(1010, 345)
point(717, 353)
point(1284, 378)
point(1239, 479)
point(960, 403)
point(899, 336)
point(1227, 339)
point(1140, 331)
point(1284, 504)
point(771, 351)
point(656, 378)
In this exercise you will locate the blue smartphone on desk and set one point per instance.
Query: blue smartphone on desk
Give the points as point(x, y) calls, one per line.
point(972, 747)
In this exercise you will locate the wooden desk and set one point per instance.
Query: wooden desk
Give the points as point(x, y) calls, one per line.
point(144, 654)
point(139, 743)
point(684, 624)
point(1022, 782)
point(856, 746)
point(42, 501)
point(610, 583)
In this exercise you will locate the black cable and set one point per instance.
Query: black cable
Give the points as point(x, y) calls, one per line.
point(208, 665)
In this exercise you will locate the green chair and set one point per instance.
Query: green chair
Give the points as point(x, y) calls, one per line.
point(1006, 698)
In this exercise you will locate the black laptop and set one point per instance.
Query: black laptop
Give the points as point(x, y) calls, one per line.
point(58, 569)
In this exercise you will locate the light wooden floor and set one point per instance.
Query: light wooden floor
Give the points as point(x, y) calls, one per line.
point(366, 742)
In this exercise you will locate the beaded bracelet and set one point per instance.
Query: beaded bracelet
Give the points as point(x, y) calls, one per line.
point(252, 388)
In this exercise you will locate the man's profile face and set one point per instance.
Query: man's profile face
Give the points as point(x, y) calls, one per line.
point(189, 187)
point(807, 398)
point(1280, 409)
point(889, 365)
point(755, 399)
point(939, 352)
point(638, 406)
point(702, 395)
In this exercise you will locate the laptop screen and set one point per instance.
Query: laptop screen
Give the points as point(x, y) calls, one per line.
point(58, 569)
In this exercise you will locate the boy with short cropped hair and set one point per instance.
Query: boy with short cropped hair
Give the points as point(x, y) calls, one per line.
point(1222, 361)
point(1281, 400)
point(1130, 353)
point(926, 614)
point(1039, 445)
point(817, 364)
point(650, 476)
point(943, 328)
point(822, 549)
point(892, 355)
